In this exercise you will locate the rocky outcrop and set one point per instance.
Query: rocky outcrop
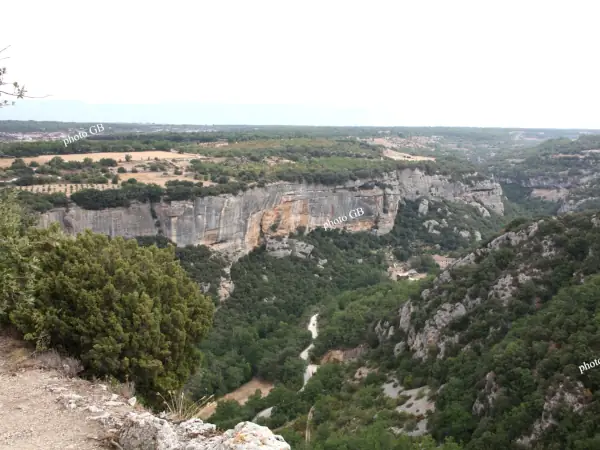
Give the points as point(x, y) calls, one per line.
point(432, 333)
point(570, 394)
point(486, 398)
point(574, 205)
point(559, 180)
point(281, 247)
point(236, 224)
point(147, 432)
point(423, 207)
point(44, 406)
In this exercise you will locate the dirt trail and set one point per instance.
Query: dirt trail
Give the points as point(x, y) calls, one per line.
point(40, 409)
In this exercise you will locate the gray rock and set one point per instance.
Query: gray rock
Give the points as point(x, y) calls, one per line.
point(148, 432)
point(569, 394)
point(111, 403)
point(234, 224)
point(399, 348)
point(430, 225)
point(252, 437)
point(280, 248)
point(465, 234)
point(193, 428)
point(431, 334)
point(423, 207)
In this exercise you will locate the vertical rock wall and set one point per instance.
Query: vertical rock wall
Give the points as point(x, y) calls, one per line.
point(235, 224)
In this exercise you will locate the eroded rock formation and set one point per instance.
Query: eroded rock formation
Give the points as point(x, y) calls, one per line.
point(147, 432)
point(432, 333)
point(236, 224)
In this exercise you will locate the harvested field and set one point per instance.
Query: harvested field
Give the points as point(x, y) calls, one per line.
point(135, 156)
point(240, 395)
point(405, 156)
point(158, 178)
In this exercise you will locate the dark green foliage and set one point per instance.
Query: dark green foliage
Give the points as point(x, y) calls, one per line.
point(409, 235)
point(108, 162)
point(123, 310)
point(532, 344)
point(42, 202)
point(522, 204)
point(203, 266)
point(261, 329)
point(113, 198)
point(348, 319)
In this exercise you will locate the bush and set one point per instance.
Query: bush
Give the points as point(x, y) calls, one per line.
point(125, 311)
point(108, 162)
point(122, 170)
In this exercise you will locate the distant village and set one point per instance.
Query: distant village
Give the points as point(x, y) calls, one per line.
point(33, 136)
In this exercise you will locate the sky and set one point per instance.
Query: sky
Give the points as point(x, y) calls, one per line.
point(525, 63)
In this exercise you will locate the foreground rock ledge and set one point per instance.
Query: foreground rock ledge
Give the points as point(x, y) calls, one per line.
point(147, 432)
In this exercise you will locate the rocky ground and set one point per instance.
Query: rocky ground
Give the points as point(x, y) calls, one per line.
point(44, 406)
point(41, 407)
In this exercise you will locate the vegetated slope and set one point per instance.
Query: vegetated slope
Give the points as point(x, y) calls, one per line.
point(336, 409)
point(500, 337)
point(504, 332)
point(562, 170)
point(201, 264)
point(260, 329)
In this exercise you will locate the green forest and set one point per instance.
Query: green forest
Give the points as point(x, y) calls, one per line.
point(143, 310)
point(533, 345)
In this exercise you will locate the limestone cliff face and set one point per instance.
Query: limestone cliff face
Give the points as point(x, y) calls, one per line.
point(235, 224)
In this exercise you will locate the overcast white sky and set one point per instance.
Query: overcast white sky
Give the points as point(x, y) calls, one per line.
point(470, 63)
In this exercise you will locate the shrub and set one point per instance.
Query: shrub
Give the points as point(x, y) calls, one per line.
point(108, 162)
point(125, 311)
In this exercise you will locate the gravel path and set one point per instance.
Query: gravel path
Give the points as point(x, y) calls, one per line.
point(31, 418)
point(33, 415)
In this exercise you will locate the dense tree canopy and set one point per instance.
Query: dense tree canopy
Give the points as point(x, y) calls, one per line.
point(126, 311)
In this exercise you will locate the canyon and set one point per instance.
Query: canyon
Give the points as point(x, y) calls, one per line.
point(235, 224)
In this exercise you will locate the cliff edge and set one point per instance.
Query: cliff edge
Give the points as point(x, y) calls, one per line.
point(43, 406)
point(236, 224)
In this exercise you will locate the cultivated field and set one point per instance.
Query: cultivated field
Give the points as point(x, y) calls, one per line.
point(159, 178)
point(135, 156)
point(405, 156)
point(68, 189)
point(168, 163)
